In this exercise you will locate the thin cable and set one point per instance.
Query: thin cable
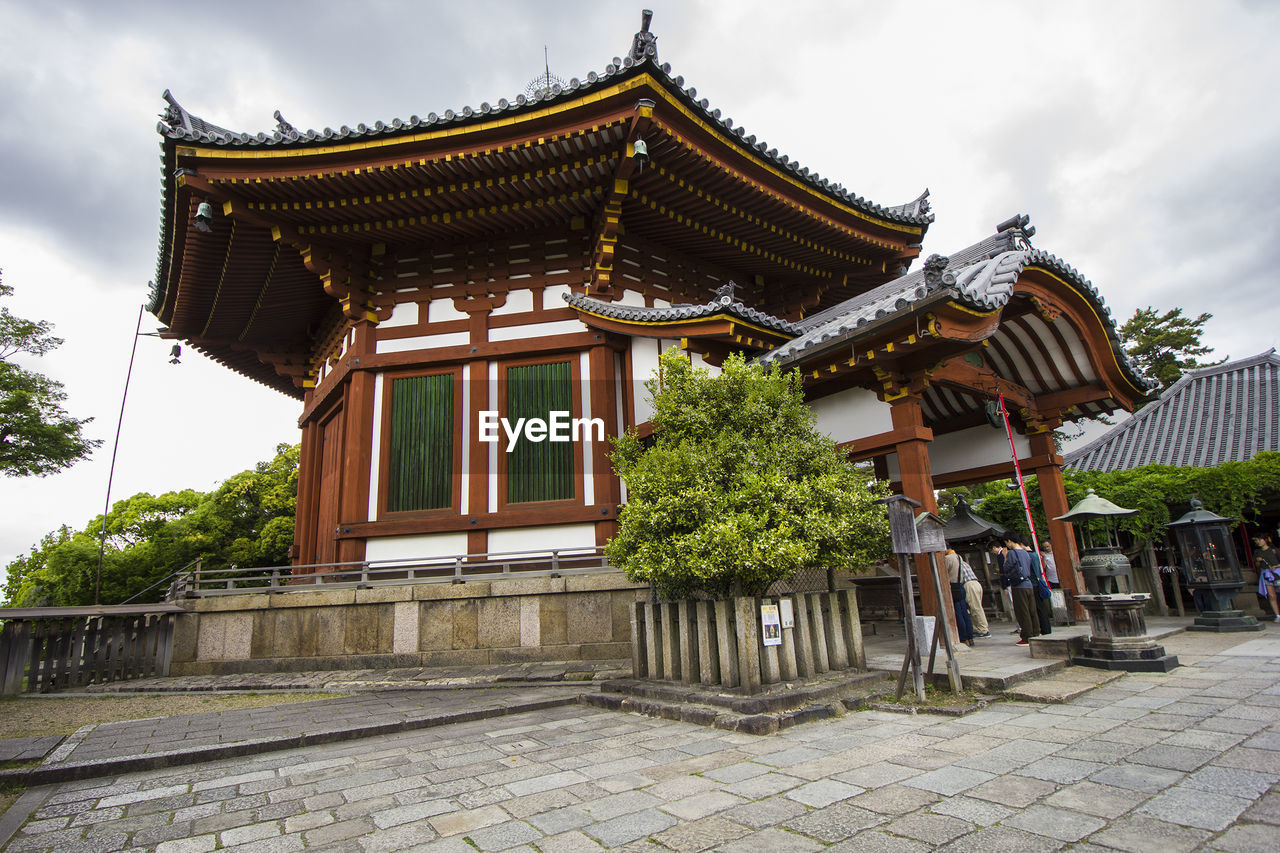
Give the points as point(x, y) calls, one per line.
point(102, 540)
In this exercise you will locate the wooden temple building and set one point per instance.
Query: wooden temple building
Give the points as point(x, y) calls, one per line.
point(537, 254)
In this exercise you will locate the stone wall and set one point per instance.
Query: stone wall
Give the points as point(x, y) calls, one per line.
point(583, 617)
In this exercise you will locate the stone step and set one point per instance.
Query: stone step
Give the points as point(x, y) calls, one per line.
point(781, 707)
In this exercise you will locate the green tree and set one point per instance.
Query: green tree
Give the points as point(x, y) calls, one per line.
point(247, 521)
point(737, 489)
point(1160, 493)
point(37, 437)
point(1164, 346)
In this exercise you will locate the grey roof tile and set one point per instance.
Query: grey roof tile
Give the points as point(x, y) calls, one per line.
point(722, 304)
point(981, 276)
point(179, 124)
point(1228, 412)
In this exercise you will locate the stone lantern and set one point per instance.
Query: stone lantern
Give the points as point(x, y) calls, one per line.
point(1118, 637)
point(1212, 572)
point(1103, 564)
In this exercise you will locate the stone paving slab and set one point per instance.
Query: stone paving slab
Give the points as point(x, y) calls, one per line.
point(1118, 768)
point(149, 744)
point(406, 678)
point(28, 748)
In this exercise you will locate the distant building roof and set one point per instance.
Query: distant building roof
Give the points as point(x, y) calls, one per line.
point(1225, 413)
point(967, 526)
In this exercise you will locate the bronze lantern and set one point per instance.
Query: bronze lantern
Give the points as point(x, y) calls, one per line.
point(1208, 562)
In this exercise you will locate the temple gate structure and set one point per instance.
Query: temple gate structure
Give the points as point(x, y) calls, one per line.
point(406, 280)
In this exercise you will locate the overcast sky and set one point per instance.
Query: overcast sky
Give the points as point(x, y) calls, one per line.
point(1141, 137)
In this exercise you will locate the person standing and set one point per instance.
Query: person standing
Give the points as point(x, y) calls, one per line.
point(973, 597)
point(1266, 559)
point(1043, 612)
point(964, 625)
point(1015, 575)
point(1050, 564)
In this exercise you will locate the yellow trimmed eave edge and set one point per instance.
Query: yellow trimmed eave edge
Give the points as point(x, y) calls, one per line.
point(1114, 359)
point(777, 333)
point(646, 79)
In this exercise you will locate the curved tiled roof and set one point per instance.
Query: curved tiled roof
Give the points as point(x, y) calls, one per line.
point(1228, 412)
point(981, 276)
point(180, 125)
point(719, 305)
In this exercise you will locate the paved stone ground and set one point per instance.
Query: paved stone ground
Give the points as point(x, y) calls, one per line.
point(404, 678)
point(1184, 761)
point(274, 725)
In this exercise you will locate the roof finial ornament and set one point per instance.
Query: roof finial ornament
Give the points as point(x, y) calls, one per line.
point(544, 85)
point(645, 43)
point(1020, 231)
point(284, 128)
point(724, 293)
point(174, 115)
point(934, 268)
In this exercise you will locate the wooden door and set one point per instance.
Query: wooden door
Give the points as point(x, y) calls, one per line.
point(330, 487)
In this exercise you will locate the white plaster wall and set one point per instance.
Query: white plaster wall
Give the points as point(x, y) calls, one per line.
point(851, 414)
point(644, 366)
point(403, 314)
point(699, 360)
point(416, 547)
point(537, 538)
point(973, 448)
point(442, 309)
point(454, 339)
point(553, 296)
point(583, 448)
point(379, 388)
point(631, 297)
point(518, 302)
point(536, 330)
point(492, 446)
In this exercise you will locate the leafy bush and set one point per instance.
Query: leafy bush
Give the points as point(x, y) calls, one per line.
point(736, 489)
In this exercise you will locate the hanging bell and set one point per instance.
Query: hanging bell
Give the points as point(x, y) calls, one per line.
point(640, 151)
point(204, 217)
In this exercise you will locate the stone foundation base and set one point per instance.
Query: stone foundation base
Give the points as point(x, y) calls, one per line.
point(1225, 622)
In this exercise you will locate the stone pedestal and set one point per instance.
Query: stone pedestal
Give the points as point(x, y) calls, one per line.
point(1215, 600)
point(1225, 622)
point(1118, 635)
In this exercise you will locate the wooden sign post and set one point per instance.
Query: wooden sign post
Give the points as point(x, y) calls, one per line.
point(932, 541)
point(902, 530)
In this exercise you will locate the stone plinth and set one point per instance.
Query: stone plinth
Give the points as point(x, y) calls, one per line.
point(1217, 611)
point(1118, 635)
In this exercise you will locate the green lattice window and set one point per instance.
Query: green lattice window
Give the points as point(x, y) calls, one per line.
point(420, 461)
point(539, 471)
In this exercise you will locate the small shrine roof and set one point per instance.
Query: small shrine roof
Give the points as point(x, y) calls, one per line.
point(967, 526)
point(722, 304)
point(980, 276)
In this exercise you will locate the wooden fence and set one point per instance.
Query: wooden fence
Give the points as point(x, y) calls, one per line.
point(721, 643)
point(46, 648)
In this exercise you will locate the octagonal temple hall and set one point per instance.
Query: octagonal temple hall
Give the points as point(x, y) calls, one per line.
point(416, 283)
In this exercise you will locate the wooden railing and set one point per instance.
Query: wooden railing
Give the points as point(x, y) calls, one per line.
point(555, 562)
point(55, 648)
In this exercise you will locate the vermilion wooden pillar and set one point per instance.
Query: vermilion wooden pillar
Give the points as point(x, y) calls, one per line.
point(1054, 497)
point(917, 484)
point(357, 460)
point(304, 526)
